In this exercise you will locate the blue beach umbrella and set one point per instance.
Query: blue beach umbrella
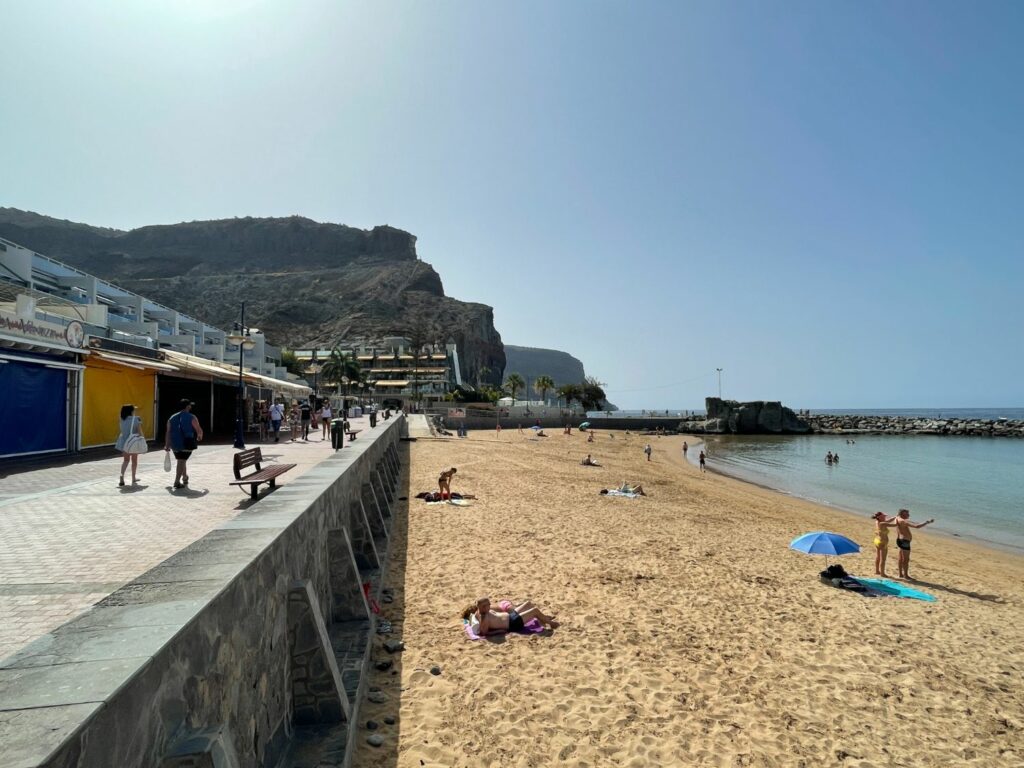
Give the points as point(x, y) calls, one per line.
point(824, 543)
point(536, 428)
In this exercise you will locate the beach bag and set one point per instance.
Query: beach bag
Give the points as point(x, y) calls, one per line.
point(167, 461)
point(136, 444)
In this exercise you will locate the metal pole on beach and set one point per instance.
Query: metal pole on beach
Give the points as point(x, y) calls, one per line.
point(719, 383)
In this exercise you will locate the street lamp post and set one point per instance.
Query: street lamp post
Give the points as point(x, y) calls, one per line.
point(243, 340)
point(314, 368)
point(719, 383)
point(344, 381)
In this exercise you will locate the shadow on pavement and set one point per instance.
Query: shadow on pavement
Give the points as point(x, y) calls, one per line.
point(187, 492)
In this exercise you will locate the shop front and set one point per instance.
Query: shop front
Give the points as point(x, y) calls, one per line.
point(39, 379)
point(110, 381)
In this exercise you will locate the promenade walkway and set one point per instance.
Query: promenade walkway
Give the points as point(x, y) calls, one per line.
point(69, 535)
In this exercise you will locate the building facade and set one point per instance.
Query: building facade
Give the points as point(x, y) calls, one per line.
point(74, 349)
point(393, 374)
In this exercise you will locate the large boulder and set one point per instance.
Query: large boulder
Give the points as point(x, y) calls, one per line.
point(751, 418)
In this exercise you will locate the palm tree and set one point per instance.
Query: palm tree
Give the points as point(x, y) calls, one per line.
point(513, 384)
point(543, 384)
point(341, 365)
point(570, 392)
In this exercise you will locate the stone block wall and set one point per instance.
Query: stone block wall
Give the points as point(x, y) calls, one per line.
point(209, 641)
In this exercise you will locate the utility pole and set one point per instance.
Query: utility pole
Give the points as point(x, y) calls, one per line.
point(719, 383)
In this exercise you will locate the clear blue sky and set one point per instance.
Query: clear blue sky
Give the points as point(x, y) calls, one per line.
point(826, 199)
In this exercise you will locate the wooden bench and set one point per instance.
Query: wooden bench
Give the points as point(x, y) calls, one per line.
point(253, 458)
point(352, 434)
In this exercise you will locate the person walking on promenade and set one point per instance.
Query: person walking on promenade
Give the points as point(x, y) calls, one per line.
point(276, 417)
point(647, 450)
point(325, 419)
point(702, 458)
point(293, 420)
point(130, 425)
point(903, 525)
point(264, 420)
point(305, 415)
point(182, 435)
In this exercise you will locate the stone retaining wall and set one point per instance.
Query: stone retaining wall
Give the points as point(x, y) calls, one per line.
point(250, 639)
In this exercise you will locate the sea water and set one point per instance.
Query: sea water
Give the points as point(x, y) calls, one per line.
point(972, 486)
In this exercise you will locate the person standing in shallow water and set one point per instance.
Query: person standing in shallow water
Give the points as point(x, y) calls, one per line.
point(702, 458)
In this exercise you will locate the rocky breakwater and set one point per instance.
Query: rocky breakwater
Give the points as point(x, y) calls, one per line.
point(749, 418)
point(903, 425)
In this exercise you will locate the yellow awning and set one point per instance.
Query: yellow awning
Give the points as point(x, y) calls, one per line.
point(391, 384)
point(134, 362)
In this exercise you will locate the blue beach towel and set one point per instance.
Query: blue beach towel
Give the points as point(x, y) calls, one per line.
point(895, 589)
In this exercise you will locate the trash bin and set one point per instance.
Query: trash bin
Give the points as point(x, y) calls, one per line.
point(373, 419)
point(337, 433)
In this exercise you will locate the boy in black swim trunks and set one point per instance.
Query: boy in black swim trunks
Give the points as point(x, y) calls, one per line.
point(513, 621)
point(903, 525)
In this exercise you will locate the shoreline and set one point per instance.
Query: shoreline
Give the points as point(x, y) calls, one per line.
point(847, 512)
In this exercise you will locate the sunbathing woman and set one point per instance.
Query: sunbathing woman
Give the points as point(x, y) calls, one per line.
point(498, 621)
point(627, 488)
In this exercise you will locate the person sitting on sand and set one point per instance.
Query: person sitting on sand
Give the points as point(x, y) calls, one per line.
point(903, 525)
point(492, 621)
point(589, 462)
point(444, 483)
point(881, 541)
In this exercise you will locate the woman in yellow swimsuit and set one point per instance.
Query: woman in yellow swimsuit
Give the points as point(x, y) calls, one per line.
point(881, 541)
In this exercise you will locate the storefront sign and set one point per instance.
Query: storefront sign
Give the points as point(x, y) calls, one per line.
point(30, 329)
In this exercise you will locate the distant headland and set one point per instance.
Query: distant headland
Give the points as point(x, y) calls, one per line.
point(731, 417)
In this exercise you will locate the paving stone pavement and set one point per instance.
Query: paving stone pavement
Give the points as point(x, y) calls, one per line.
point(69, 535)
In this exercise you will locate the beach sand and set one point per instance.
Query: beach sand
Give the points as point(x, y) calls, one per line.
point(691, 634)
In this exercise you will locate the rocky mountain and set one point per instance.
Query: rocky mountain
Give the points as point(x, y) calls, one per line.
point(304, 282)
point(531, 362)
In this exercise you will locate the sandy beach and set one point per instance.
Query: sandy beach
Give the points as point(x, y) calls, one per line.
point(691, 634)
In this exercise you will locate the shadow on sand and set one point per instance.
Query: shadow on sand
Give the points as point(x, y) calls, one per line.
point(955, 591)
point(388, 681)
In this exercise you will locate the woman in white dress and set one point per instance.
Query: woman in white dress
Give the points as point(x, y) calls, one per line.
point(130, 425)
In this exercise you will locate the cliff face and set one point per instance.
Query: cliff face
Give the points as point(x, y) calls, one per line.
point(304, 282)
point(531, 362)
